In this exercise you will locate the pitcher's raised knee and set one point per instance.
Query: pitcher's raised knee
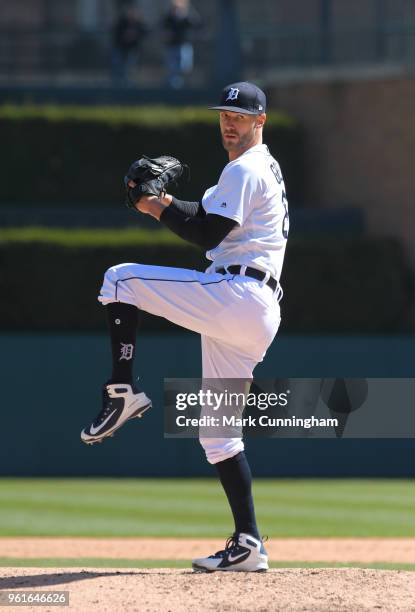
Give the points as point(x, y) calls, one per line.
point(116, 286)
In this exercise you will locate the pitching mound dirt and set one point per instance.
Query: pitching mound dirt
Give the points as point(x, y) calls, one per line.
point(165, 590)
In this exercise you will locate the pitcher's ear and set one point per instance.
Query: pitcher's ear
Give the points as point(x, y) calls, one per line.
point(260, 122)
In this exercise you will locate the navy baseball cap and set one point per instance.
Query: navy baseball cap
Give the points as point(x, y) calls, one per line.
point(242, 97)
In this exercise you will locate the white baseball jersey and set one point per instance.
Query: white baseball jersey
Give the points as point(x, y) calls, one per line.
point(251, 191)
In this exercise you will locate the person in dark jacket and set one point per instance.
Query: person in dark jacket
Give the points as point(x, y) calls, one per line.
point(128, 33)
point(179, 23)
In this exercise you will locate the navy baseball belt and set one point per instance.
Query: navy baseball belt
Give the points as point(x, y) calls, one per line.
point(252, 272)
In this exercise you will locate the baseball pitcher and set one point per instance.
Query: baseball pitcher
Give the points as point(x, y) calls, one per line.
point(242, 223)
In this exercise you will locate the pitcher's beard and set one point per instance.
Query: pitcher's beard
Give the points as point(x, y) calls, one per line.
point(239, 142)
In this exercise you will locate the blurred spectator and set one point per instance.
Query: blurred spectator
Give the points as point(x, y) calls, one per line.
point(179, 23)
point(128, 32)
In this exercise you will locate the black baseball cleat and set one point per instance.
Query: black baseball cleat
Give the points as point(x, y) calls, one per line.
point(243, 553)
point(120, 402)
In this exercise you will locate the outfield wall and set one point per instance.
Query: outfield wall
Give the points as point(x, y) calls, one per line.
point(359, 136)
point(51, 389)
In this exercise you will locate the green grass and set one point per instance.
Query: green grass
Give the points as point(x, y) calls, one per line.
point(182, 563)
point(90, 237)
point(197, 508)
point(130, 115)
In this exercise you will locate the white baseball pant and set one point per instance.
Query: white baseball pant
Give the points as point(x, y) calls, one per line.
point(236, 316)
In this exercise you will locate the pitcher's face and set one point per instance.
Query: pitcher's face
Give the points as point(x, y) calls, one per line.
point(239, 130)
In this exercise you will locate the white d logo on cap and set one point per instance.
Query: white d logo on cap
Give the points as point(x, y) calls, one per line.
point(232, 94)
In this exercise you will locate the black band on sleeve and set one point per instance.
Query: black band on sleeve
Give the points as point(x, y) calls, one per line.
point(188, 209)
point(207, 232)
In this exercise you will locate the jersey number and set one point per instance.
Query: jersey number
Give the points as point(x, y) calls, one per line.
point(275, 169)
point(286, 220)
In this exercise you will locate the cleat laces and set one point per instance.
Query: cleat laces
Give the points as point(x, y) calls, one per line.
point(105, 411)
point(231, 543)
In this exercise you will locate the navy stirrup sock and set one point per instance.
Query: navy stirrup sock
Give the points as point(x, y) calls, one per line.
point(122, 323)
point(236, 478)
